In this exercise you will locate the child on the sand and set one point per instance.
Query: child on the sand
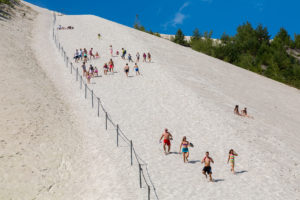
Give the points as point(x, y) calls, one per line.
point(231, 159)
point(97, 55)
point(126, 69)
point(96, 71)
point(137, 57)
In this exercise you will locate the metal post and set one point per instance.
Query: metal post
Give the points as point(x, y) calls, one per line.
point(140, 175)
point(92, 98)
point(148, 192)
point(106, 120)
point(80, 82)
point(131, 152)
point(85, 88)
point(98, 105)
point(76, 74)
point(117, 135)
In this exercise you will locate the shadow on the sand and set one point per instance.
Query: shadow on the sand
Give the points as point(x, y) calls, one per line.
point(218, 180)
point(174, 152)
point(241, 172)
point(194, 161)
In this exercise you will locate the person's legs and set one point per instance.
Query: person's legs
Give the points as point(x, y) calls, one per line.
point(204, 173)
point(187, 156)
point(183, 154)
point(165, 147)
point(169, 147)
point(210, 178)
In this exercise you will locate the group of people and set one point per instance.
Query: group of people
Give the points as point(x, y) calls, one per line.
point(243, 112)
point(89, 73)
point(146, 57)
point(83, 54)
point(184, 149)
point(60, 27)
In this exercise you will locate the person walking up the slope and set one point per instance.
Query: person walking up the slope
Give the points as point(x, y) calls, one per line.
point(129, 58)
point(149, 57)
point(91, 54)
point(231, 156)
point(99, 36)
point(207, 168)
point(137, 57)
point(185, 150)
point(144, 57)
point(167, 137)
point(236, 110)
point(111, 65)
point(83, 69)
point(111, 50)
point(136, 69)
point(126, 69)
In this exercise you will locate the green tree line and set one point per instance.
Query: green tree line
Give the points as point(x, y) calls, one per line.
point(253, 49)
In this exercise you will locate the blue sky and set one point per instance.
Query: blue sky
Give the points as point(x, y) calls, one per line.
point(166, 16)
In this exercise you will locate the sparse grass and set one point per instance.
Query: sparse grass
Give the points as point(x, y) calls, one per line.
point(5, 2)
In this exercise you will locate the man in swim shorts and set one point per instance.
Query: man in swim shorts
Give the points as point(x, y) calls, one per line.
point(207, 168)
point(167, 137)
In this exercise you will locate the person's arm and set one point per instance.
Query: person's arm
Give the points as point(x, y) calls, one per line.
point(161, 137)
point(228, 159)
point(212, 160)
point(202, 161)
point(180, 148)
point(171, 136)
point(235, 154)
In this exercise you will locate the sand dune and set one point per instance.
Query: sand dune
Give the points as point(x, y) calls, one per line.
point(68, 154)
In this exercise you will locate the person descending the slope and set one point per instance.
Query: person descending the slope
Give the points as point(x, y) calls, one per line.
point(126, 69)
point(167, 137)
point(136, 69)
point(111, 65)
point(185, 150)
point(144, 57)
point(231, 157)
point(129, 58)
point(83, 69)
point(207, 168)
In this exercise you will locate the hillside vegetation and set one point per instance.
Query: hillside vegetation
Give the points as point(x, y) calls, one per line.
point(252, 49)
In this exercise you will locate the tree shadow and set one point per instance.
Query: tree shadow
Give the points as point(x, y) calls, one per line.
point(194, 161)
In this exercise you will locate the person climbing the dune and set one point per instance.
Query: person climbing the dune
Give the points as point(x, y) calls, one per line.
point(126, 69)
point(137, 57)
point(136, 69)
point(167, 137)
point(236, 110)
point(207, 168)
point(185, 149)
point(99, 36)
point(244, 113)
point(231, 158)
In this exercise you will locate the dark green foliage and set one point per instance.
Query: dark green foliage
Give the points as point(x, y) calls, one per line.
point(180, 38)
point(252, 49)
point(142, 28)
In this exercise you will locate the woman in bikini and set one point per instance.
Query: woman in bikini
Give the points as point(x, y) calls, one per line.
point(96, 72)
point(231, 157)
point(111, 65)
point(185, 150)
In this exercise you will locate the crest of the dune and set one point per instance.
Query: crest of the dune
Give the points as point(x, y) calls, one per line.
point(189, 93)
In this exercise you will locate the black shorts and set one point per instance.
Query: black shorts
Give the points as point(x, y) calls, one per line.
point(207, 170)
point(126, 70)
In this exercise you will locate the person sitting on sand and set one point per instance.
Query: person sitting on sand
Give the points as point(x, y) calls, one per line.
point(207, 168)
point(97, 55)
point(136, 69)
point(236, 110)
point(126, 69)
point(185, 150)
point(105, 68)
point(245, 114)
point(167, 137)
point(231, 156)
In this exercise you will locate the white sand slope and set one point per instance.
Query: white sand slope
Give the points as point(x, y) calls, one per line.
point(191, 94)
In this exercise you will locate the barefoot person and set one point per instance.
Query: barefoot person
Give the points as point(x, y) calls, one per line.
point(207, 168)
point(236, 110)
point(83, 69)
point(167, 137)
point(185, 150)
point(231, 156)
point(126, 69)
point(136, 69)
point(137, 57)
point(244, 113)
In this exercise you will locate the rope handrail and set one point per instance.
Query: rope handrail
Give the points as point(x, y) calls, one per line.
point(78, 73)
